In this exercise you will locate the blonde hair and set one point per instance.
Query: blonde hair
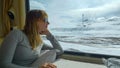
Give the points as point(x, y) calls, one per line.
point(31, 28)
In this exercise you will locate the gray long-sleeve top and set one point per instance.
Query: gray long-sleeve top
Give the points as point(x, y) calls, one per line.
point(16, 52)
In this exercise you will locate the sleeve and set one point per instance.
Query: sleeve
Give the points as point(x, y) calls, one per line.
point(46, 47)
point(7, 50)
point(54, 43)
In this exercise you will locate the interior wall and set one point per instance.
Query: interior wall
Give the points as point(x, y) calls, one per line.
point(19, 10)
point(22, 13)
point(0, 22)
point(0, 18)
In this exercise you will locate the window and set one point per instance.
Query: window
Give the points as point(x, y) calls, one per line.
point(84, 25)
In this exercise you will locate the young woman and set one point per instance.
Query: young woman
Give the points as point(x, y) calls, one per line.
point(24, 48)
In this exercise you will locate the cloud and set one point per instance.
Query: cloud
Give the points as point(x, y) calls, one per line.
point(36, 5)
point(75, 8)
point(107, 9)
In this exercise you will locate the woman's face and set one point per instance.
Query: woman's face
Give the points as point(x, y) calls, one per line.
point(42, 25)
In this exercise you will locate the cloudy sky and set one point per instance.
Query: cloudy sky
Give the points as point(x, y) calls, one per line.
point(68, 5)
point(57, 9)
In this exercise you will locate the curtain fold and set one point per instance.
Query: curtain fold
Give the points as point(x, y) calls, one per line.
point(7, 4)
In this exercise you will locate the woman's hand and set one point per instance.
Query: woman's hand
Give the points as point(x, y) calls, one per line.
point(48, 65)
point(45, 32)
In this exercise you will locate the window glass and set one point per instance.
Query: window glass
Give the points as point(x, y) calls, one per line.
point(91, 26)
